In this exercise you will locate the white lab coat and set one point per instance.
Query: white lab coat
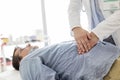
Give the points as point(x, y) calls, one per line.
point(111, 24)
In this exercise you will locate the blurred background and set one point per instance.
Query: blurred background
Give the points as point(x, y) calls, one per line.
point(35, 22)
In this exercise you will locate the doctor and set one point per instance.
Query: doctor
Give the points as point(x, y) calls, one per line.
point(103, 17)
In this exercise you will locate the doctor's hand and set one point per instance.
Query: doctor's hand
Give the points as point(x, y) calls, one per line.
point(82, 38)
point(93, 41)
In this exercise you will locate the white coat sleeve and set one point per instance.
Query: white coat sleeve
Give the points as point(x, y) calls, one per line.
point(108, 26)
point(74, 13)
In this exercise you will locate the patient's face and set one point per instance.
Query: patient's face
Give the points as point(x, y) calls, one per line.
point(22, 52)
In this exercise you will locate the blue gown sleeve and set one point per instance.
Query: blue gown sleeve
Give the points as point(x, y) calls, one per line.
point(34, 69)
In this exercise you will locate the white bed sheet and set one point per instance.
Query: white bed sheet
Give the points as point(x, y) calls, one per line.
point(10, 75)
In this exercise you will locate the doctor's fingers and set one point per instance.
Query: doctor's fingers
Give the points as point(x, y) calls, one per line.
point(86, 44)
point(80, 47)
point(83, 46)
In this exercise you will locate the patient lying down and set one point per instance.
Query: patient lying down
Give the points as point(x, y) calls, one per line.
point(62, 61)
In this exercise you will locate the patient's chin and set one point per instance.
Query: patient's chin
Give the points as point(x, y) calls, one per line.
point(33, 49)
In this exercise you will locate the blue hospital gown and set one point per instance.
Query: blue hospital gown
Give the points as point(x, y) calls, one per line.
point(62, 62)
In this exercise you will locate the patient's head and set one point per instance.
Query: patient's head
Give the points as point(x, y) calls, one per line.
point(19, 54)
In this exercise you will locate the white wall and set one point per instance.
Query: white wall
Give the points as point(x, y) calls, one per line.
point(57, 20)
point(22, 17)
point(19, 17)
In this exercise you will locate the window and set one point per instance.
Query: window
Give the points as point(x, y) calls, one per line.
point(21, 18)
point(57, 20)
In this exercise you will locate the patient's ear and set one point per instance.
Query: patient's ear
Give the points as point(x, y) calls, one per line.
point(28, 45)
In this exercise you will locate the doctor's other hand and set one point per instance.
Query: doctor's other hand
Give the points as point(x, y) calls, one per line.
point(82, 38)
point(93, 41)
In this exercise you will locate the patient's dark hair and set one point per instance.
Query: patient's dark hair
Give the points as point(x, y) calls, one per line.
point(16, 60)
